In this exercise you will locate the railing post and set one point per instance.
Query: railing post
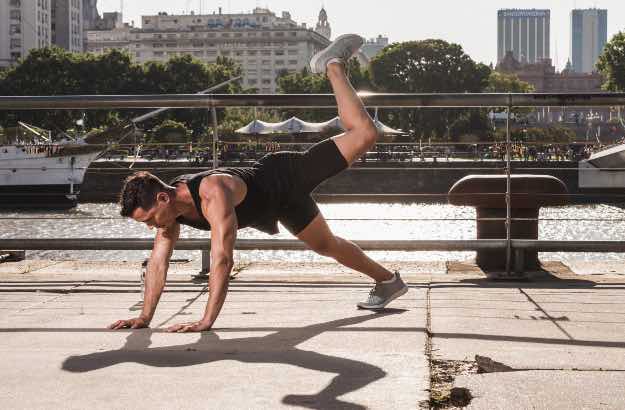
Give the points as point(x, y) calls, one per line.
point(508, 190)
point(519, 261)
point(215, 138)
point(206, 263)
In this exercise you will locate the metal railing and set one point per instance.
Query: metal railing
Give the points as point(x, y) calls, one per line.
point(508, 101)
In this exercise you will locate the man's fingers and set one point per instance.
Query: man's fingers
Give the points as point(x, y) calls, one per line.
point(121, 324)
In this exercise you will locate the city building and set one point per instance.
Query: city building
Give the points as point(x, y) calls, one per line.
point(589, 34)
point(264, 44)
point(374, 46)
point(525, 33)
point(545, 79)
point(25, 25)
point(323, 26)
point(67, 24)
point(90, 14)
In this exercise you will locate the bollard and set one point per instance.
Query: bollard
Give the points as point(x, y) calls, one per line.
point(528, 194)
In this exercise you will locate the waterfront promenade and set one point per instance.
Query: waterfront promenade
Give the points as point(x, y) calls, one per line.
point(290, 337)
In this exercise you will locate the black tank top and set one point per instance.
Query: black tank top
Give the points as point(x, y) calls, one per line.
point(254, 211)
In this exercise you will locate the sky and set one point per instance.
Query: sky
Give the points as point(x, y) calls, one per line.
point(472, 24)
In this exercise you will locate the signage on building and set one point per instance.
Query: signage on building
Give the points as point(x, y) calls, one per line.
point(524, 13)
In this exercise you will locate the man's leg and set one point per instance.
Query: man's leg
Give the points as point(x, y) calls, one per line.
point(319, 238)
point(388, 287)
point(361, 134)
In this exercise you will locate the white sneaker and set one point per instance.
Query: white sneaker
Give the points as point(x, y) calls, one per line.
point(341, 49)
point(384, 293)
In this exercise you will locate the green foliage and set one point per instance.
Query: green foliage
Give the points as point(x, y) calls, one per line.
point(304, 82)
point(54, 71)
point(612, 63)
point(507, 83)
point(429, 66)
point(171, 132)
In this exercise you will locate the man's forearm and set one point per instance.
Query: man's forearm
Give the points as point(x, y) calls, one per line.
point(218, 286)
point(154, 285)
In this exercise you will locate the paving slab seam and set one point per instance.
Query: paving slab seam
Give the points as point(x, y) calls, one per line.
point(191, 301)
point(428, 345)
point(52, 299)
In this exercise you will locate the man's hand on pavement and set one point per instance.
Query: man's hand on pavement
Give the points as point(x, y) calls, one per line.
point(190, 327)
point(136, 323)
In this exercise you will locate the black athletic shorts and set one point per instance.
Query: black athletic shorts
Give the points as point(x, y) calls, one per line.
point(290, 177)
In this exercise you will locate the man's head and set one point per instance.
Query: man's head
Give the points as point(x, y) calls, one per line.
point(147, 199)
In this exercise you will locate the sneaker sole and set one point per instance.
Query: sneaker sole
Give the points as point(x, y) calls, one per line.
point(316, 57)
point(394, 296)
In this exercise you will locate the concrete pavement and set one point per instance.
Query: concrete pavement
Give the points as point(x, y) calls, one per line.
point(290, 337)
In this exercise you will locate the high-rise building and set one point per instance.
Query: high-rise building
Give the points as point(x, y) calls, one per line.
point(589, 34)
point(263, 44)
point(90, 13)
point(323, 26)
point(525, 33)
point(67, 24)
point(24, 25)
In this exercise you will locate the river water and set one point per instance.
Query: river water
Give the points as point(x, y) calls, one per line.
point(349, 220)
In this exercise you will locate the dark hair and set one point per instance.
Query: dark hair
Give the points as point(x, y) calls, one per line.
point(139, 191)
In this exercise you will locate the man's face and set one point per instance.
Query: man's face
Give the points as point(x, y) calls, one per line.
point(161, 215)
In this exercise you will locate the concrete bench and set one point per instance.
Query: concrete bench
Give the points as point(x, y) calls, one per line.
point(487, 193)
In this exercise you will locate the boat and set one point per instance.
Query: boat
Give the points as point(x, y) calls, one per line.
point(37, 172)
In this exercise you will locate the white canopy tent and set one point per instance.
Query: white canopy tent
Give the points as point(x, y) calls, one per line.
point(295, 125)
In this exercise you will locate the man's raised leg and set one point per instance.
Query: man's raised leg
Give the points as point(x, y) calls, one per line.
point(360, 136)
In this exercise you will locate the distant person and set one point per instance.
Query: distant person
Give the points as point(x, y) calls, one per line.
point(275, 189)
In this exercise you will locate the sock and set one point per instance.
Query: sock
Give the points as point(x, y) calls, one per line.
point(335, 60)
point(391, 280)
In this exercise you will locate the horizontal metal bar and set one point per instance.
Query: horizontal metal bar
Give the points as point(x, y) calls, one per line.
point(570, 246)
point(81, 102)
point(242, 244)
point(294, 245)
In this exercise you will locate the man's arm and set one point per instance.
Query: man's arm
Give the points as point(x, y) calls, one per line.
point(218, 209)
point(155, 277)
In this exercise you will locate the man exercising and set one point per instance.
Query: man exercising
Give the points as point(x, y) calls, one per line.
point(275, 189)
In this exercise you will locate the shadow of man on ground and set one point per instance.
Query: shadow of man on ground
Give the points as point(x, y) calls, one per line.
point(279, 347)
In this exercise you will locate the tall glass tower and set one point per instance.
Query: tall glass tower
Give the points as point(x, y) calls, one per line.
point(589, 34)
point(525, 33)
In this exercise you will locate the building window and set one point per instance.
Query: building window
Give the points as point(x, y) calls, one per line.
point(158, 54)
point(16, 43)
point(15, 29)
point(16, 15)
point(266, 72)
point(292, 62)
point(279, 52)
point(279, 34)
point(266, 81)
point(293, 52)
point(279, 62)
point(252, 81)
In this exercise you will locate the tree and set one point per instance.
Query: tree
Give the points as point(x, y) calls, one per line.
point(612, 63)
point(507, 83)
point(428, 66)
point(304, 82)
point(170, 132)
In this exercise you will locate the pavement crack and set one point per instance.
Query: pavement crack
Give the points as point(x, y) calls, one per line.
point(553, 320)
